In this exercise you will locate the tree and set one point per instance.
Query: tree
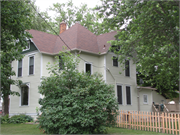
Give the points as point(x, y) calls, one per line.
point(15, 19)
point(38, 22)
point(74, 102)
point(150, 38)
point(87, 17)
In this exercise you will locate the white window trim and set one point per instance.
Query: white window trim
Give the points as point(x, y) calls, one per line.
point(91, 67)
point(126, 95)
point(17, 69)
point(112, 61)
point(27, 84)
point(122, 93)
point(29, 56)
point(143, 99)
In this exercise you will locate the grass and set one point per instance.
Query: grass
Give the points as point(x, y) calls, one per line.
point(32, 129)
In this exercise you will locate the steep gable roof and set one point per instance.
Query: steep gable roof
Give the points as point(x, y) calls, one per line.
point(76, 37)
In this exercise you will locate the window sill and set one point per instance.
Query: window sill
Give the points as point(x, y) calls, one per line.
point(145, 103)
point(23, 106)
point(19, 77)
point(31, 75)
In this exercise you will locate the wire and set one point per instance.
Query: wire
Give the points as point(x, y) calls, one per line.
point(61, 38)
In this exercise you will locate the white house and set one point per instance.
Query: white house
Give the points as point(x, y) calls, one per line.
point(44, 47)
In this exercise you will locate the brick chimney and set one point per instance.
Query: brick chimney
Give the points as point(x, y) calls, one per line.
point(62, 27)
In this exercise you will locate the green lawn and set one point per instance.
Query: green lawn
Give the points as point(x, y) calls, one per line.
point(32, 129)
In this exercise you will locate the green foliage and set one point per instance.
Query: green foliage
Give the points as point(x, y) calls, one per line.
point(22, 118)
point(15, 19)
point(71, 14)
point(150, 37)
point(4, 119)
point(74, 102)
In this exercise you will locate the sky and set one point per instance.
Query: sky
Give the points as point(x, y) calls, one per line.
point(44, 4)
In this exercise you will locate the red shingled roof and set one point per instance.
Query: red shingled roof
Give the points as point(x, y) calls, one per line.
point(76, 37)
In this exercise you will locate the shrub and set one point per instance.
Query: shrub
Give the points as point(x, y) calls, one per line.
point(22, 118)
point(74, 102)
point(4, 119)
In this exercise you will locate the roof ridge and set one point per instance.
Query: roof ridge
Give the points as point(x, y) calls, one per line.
point(42, 32)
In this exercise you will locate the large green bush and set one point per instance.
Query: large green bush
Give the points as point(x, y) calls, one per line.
point(74, 102)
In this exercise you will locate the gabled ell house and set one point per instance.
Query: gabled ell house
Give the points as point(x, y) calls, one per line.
point(43, 48)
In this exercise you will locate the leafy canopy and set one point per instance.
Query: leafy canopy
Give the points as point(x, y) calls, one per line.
point(150, 36)
point(74, 102)
point(15, 19)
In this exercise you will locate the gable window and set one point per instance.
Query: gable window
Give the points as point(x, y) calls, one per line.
point(20, 68)
point(145, 99)
point(127, 68)
point(128, 95)
point(31, 65)
point(60, 63)
point(24, 95)
point(119, 94)
point(115, 61)
point(88, 68)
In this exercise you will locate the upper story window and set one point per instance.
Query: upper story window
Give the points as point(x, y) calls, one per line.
point(119, 94)
point(27, 47)
point(128, 95)
point(88, 68)
point(115, 61)
point(127, 68)
point(24, 95)
point(145, 99)
point(60, 63)
point(20, 68)
point(31, 65)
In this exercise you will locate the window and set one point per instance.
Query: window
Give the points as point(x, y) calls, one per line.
point(127, 68)
point(88, 68)
point(24, 95)
point(115, 61)
point(145, 99)
point(128, 95)
point(119, 94)
point(20, 68)
point(60, 63)
point(31, 65)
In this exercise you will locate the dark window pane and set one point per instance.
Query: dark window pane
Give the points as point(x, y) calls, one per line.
point(60, 63)
point(19, 72)
point(24, 95)
point(115, 61)
point(119, 94)
point(19, 68)
point(127, 68)
point(88, 68)
point(128, 95)
point(31, 65)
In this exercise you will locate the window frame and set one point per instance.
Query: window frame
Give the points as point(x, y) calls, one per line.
point(85, 67)
point(146, 97)
point(127, 69)
point(113, 62)
point(18, 68)
point(129, 96)
point(21, 95)
point(29, 65)
point(121, 94)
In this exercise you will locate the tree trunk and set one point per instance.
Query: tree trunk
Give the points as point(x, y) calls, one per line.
point(6, 105)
